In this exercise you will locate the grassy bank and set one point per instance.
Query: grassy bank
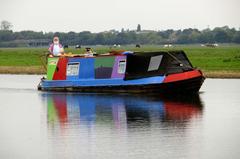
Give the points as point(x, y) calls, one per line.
point(221, 62)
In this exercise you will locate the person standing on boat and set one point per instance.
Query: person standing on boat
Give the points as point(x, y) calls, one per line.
point(56, 48)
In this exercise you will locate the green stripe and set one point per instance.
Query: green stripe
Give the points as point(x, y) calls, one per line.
point(52, 113)
point(51, 67)
point(104, 62)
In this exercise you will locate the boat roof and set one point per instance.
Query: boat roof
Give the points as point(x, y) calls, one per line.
point(120, 53)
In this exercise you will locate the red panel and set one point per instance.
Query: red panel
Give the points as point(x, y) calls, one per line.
point(61, 107)
point(182, 76)
point(181, 111)
point(60, 72)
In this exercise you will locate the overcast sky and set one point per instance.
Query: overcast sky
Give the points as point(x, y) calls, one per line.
point(102, 15)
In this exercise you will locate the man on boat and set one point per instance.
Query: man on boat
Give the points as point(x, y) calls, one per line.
point(89, 52)
point(56, 49)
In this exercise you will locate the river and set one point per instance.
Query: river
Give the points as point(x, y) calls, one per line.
point(39, 125)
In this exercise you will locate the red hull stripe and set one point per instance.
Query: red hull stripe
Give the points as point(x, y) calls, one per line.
point(180, 110)
point(182, 76)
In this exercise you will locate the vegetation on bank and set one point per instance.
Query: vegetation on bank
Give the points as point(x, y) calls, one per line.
point(8, 38)
point(223, 61)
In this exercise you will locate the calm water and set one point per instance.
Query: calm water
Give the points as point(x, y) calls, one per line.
point(57, 125)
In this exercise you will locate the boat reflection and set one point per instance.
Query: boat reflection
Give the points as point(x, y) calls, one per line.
point(120, 111)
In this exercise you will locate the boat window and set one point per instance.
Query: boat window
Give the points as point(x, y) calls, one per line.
point(122, 66)
point(73, 69)
point(155, 62)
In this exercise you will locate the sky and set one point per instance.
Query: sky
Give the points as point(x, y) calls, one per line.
point(104, 15)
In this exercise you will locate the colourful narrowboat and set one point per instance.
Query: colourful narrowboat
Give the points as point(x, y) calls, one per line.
point(123, 72)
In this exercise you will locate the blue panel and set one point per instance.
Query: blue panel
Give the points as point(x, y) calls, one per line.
point(86, 68)
point(103, 82)
point(87, 106)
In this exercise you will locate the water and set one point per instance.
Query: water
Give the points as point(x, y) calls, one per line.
point(40, 125)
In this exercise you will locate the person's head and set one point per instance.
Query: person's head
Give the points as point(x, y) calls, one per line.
point(55, 40)
point(88, 49)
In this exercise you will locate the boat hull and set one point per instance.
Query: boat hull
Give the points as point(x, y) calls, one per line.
point(187, 82)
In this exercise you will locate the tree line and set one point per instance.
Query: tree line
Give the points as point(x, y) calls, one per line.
point(9, 38)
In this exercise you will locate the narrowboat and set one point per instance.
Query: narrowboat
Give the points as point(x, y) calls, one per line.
point(123, 72)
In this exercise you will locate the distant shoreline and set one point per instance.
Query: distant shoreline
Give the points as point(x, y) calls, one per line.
point(39, 70)
point(31, 70)
point(221, 74)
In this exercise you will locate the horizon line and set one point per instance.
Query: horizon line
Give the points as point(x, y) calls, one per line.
point(128, 30)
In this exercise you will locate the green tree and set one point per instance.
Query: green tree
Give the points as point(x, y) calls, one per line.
point(236, 37)
point(5, 25)
point(6, 35)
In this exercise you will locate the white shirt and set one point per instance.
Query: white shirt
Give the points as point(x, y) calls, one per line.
point(56, 50)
